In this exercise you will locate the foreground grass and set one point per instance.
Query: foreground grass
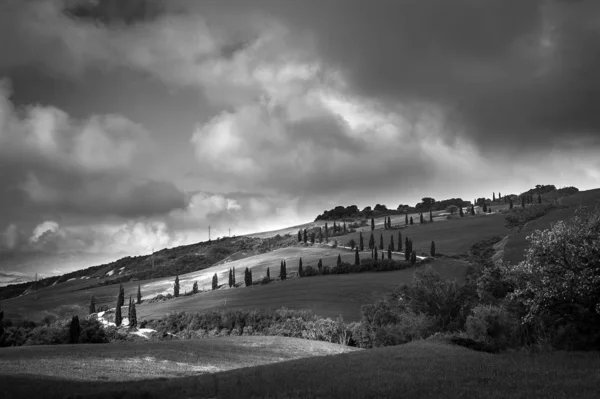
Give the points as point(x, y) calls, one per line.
point(416, 370)
point(145, 360)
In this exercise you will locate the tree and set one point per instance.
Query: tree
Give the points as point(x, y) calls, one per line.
point(452, 209)
point(176, 287)
point(195, 287)
point(233, 275)
point(312, 237)
point(339, 259)
point(399, 242)
point(430, 216)
point(389, 252)
point(305, 237)
point(361, 242)
point(299, 235)
point(494, 197)
point(283, 271)
point(406, 218)
point(215, 282)
point(392, 242)
point(372, 224)
point(268, 273)
point(371, 242)
point(407, 250)
point(326, 234)
point(356, 257)
point(118, 316)
point(432, 248)
point(345, 231)
point(559, 280)
point(230, 278)
point(320, 235)
point(376, 256)
point(334, 228)
point(421, 218)
point(489, 209)
point(484, 207)
point(411, 220)
point(74, 330)
point(139, 295)
point(352, 243)
point(320, 266)
point(427, 202)
point(523, 201)
point(121, 296)
point(413, 258)
point(92, 304)
point(539, 198)
point(510, 203)
point(250, 280)
point(133, 314)
point(461, 212)
point(389, 222)
point(381, 241)
point(300, 272)
point(473, 210)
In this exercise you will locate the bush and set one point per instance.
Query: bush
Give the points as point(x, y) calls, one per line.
point(55, 334)
point(493, 325)
point(310, 271)
point(92, 332)
point(493, 285)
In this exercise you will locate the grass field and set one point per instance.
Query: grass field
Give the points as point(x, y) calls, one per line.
point(145, 360)
point(517, 243)
point(421, 369)
point(452, 236)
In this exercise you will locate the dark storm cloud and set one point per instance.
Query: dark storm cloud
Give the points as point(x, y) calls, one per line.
point(505, 71)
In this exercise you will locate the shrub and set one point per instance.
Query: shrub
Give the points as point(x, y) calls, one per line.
point(92, 332)
point(493, 285)
point(310, 271)
point(493, 325)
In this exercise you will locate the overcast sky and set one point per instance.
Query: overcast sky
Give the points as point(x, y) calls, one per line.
point(130, 127)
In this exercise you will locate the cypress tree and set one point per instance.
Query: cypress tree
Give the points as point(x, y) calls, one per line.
point(407, 250)
point(371, 242)
point(299, 235)
point(389, 252)
point(411, 220)
point(430, 216)
point(345, 231)
point(539, 198)
point(381, 241)
point(510, 203)
point(421, 218)
point(215, 282)
point(132, 316)
point(230, 278)
point(523, 201)
point(372, 253)
point(320, 266)
point(312, 237)
point(432, 248)
point(493, 197)
point(361, 242)
point(233, 275)
point(284, 270)
point(385, 223)
point(118, 317)
point(484, 207)
point(392, 242)
point(389, 222)
point(281, 272)
point(413, 258)
point(326, 234)
point(372, 224)
point(499, 196)
point(339, 259)
point(473, 210)
point(268, 273)
point(195, 287)
point(176, 287)
point(250, 280)
point(121, 297)
point(399, 242)
point(300, 272)
point(406, 218)
point(320, 235)
point(305, 236)
point(461, 212)
point(92, 304)
point(334, 227)
point(74, 330)
point(489, 209)
point(376, 256)
point(1, 326)
point(139, 295)
point(129, 311)
point(356, 257)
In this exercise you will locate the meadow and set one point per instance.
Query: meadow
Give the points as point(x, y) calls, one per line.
point(420, 369)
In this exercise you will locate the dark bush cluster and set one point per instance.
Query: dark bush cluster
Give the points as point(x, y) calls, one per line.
point(517, 217)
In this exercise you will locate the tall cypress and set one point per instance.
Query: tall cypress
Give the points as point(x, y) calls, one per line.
point(118, 317)
point(413, 258)
point(399, 242)
point(339, 259)
point(305, 236)
point(432, 248)
point(320, 266)
point(121, 297)
point(430, 216)
point(484, 207)
point(356, 257)
point(215, 282)
point(299, 235)
point(326, 234)
point(381, 241)
point(371, 242)
point(320, 235)
point(312, 237)
point(510, 203)
point(493, 197)
point(361, 241)
point(74, 330)
point(133, 315)
point(392, 242)
point(376, 256)
point(539, 198)
point(268, 273)
point(345, 231)
point(195, 287)
point(92, 304)
point(461, 212)
point(406, 218)
point(230, 278)
point(372, 224)
point(473, 210)
point(389, 222)
point(421, 218)
point(411, 220)
point(176, 287)
point(389, 252)
point(233, 275)
point(300, 271)
point(139, 295)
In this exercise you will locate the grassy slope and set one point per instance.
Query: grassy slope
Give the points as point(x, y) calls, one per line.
point(451, 236)
point(327, 296)
point(421, 369)
point(517, 243)
point(144, 360)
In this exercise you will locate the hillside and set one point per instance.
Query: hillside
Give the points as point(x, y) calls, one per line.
point(420, 369)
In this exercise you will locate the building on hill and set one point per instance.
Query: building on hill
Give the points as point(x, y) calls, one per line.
point(478, 210)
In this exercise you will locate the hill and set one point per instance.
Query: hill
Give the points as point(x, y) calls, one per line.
point(517, 242)
point(419, 369)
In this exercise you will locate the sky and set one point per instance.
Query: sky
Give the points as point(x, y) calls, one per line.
point(128, 127)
